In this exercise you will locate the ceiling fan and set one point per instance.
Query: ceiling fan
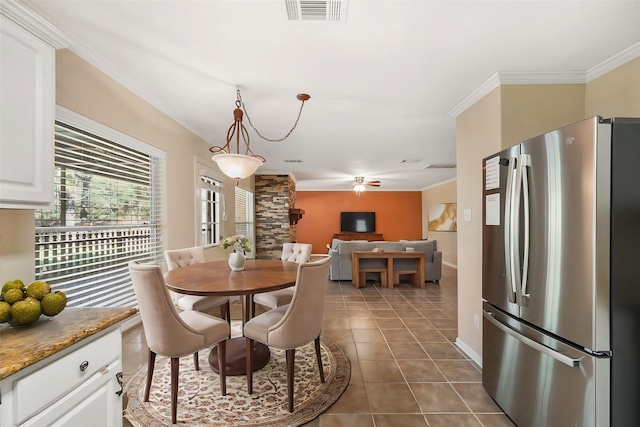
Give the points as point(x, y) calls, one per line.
point(360, 184)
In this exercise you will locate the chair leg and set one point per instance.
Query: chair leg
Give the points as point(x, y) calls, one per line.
point(222, 366)
point(291, 359)
point(249, 353)
point(196, 363)
point(225, 312)
point(151, 362)
point(175, 369)
point(319, 357)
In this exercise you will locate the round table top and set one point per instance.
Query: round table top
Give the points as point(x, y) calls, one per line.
point(216, 278)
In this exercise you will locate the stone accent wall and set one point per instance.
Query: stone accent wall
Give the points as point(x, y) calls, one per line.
point(272, 196)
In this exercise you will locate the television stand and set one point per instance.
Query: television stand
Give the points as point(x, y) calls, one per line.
point(359, 236)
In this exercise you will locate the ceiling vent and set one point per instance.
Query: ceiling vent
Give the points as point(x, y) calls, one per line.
point(439, 166)
point(316, 10)
point(293, 161)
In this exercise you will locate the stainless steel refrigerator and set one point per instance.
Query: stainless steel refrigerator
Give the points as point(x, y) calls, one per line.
point(561, 276)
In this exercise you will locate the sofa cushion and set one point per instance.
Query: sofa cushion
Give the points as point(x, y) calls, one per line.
point(389, 246)
point(346, 248)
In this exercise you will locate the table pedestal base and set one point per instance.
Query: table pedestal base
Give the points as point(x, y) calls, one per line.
point(236, 357)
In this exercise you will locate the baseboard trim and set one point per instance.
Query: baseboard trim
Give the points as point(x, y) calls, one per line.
point(450, 265)
point(469, 351)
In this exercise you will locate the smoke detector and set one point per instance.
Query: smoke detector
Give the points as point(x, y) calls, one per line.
point(316, 10)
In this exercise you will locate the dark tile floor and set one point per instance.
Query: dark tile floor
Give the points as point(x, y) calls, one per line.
point(405, 367)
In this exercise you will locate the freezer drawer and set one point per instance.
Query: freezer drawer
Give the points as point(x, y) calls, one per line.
point(539, 381)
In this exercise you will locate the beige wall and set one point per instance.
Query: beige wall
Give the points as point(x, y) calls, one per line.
point(477, 136)
point(616, 93)
point(82, 88)
point(507, 115)
point(531, 110)
point(447, 240)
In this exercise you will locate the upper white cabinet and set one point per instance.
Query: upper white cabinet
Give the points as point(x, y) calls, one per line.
point(27, 114)
point(27, 106)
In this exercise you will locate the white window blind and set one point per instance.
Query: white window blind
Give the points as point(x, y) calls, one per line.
point(244, 216)
point(108, 211)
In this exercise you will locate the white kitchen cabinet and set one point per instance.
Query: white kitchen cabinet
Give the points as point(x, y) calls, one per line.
point(79, 386)
point(27, 114)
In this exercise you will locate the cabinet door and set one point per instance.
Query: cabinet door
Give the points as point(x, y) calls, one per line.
point(27, 114)
point(94, 403)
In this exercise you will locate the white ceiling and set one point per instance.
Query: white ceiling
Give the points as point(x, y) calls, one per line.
point(385, 84)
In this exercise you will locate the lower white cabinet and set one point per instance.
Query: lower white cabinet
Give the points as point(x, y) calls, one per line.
point(80, 386)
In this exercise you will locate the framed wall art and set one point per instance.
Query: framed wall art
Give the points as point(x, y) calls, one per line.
point(443, 217)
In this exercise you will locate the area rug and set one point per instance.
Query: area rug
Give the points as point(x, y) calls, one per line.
point(200, 402)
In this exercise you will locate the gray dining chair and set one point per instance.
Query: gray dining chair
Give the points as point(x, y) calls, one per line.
point(293, 325)
point(294, 252)
point(174, 334)
point(177, 258)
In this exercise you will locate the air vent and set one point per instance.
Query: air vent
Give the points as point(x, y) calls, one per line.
point(293, 161)
point(439, 166)
point(316, 10)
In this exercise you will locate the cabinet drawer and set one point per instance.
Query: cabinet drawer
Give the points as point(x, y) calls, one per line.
point(38, 390)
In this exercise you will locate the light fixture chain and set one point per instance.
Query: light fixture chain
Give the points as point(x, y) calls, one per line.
point(244, 107)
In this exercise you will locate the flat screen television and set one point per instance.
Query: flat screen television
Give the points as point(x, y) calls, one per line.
point(358, 222)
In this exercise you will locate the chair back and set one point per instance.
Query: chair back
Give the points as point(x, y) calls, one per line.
point(166, 333)
point(296, 252)
point(302, 322)
point(177, 258)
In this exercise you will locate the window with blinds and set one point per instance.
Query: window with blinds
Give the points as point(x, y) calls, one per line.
point(107, 212)
point(244, 216)
point(210, 197)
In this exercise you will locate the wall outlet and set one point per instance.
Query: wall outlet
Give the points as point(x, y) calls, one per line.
point(476, 321)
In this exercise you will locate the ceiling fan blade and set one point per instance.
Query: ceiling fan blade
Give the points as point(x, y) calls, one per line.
point(373, 183)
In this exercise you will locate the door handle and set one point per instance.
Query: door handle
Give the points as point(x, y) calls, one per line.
point(524, 162)
point(508, 244)
point(569, 361)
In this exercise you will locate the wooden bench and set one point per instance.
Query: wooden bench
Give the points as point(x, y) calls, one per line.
point(412, 273)
point(383, 275)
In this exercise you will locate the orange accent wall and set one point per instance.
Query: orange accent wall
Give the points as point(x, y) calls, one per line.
point(398, 214)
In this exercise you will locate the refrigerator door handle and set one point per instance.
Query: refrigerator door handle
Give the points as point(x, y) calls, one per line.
point(524, 162)
point(508, 252)
point(569, 361)
point(514, 259)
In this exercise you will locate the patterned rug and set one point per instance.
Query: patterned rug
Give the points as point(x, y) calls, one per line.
point(200, 402)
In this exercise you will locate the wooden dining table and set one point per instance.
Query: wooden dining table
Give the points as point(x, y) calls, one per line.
point(217, 279)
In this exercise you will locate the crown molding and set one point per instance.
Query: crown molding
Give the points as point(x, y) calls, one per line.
point(613, 62)
point(34, 23)
point(563, 77)
point(429, 187)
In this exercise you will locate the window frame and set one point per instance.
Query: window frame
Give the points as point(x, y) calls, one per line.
point(158, 196)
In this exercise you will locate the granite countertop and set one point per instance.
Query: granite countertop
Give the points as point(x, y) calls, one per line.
point(23, 346)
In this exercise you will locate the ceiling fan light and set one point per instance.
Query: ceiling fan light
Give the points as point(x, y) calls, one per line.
point(358, 188)
point(237, 166)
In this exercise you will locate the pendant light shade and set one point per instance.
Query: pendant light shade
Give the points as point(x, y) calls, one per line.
point(237, 166)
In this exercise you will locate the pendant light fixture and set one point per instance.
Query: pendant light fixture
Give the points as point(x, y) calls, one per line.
point(242, 165)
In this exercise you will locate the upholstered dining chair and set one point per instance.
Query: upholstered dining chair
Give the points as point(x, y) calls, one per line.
point(294, 252)
point(174, 334)
point(293, 325)
point(178, 258)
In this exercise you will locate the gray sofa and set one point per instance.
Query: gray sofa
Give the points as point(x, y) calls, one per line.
point(340, 253)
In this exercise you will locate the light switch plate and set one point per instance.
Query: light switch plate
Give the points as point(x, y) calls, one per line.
point(467, 215)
